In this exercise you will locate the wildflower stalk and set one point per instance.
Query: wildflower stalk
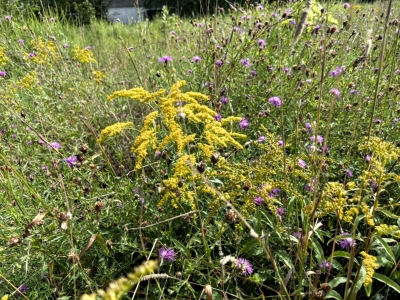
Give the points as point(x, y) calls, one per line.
point(300, 25)
point(381, 57)
point(133, 61)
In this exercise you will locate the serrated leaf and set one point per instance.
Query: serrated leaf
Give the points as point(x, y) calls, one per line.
point(387, 281)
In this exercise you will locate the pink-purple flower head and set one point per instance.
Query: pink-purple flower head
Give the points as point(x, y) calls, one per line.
point(167, 254)
point(196, 59)
point(8, 18)
point(224, 100)
point(245, 62)
point(54, 145)
point(261, 43)
point(301, 163)
point(320, 139)
point(280, 211)
point(258, 201)
point(335, 92)
point(244, 266)
point(309, 127)
point(219, 63)
point(275, 101)
point(347, 243)
point(337, 71)
point(71, 161)
point(261, 139)
point(165, 59)
point(346, 5)
point(218, 117)
point(88, 47)
point(3, 73)
point(325, 265)
point(21, 41)
point(280, 143)
point(244, 123)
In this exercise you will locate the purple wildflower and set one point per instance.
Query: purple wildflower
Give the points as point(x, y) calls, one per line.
point(316, 29)
point(335, 92)
point(275, 101)
point(218, 117)
point(320, 139)
point(373, 184)
point(3, 73)
point(280, 211)
point(258, 201)
point(244, 123)
point(261, 139)
point(244, 266)
point(349, 173)
point(21, 41)
point(301, 163)
point(260, 7)
point(280, 143)
point(337, 71)
point(274, 192)
point(325, 265)
point(172, 32)
point(30, 55)
point(167, 253)
point(71, 161)
point(52, 19)
point(377, 121)
point(346, 5)
point(8, 18)
point(196, 59)
point(261, 43)
point(298, 235)
point(347, 243)
point(224, 100)
point(309, 127)
point(21, 290)
point(165, 59)
point(292, 22)
point(367, 158)
point(54, 145)
point(88, 47)
point(200, 25)
point(245, 62)
point(219, 63)
point(66, 45)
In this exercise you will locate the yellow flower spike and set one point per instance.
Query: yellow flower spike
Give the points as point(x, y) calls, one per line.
point(113, 130)
point(370, 264)
point(83, 55)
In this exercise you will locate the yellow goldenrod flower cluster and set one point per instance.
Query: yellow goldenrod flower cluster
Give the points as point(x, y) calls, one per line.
point(370, 264)
point(350, 214)
point(119, 288)
point(3, 57)
point(83, 55)
point(44, 52)
point(29, 81)
point(98, 76)
point(368, 216)
point(385, 229)
point(175, 110)
point(333, 200)
point(113, 130)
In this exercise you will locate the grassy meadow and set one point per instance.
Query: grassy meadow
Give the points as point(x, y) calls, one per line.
point(250, 154)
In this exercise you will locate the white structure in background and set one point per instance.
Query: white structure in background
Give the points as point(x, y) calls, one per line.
point(127, 11)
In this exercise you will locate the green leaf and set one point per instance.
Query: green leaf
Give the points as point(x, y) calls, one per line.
point(334, 295)
point(319, 253)
point(387, 281)
point(360, 281)
point(368, 289)
point(389, 251)
point(336, 281)
point(285, 258)
point(181, 247)
point(389, 214)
